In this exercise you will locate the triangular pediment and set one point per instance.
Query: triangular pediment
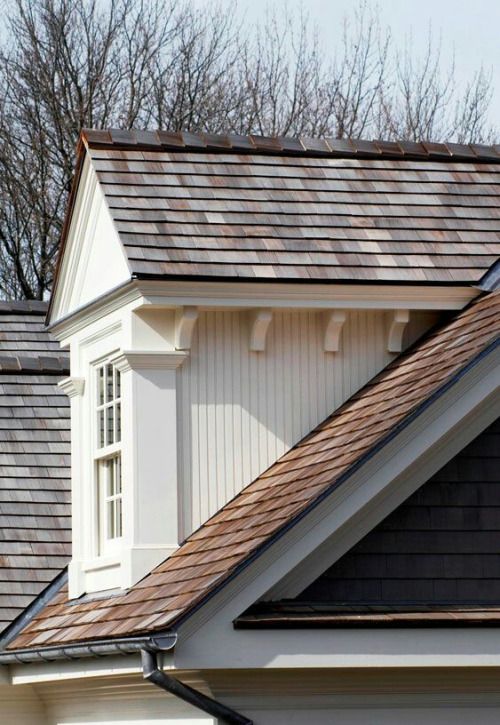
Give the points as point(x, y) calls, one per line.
point(93, 261)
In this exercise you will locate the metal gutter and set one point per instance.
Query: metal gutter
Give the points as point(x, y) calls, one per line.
point(94, 648)
point(158, 677)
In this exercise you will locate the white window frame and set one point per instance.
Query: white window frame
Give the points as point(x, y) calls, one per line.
point(108, 486)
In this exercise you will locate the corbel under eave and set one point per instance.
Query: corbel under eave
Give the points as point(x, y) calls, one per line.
point(185, 321)
point(259, 325)
point(397, 325)
point(334, 322)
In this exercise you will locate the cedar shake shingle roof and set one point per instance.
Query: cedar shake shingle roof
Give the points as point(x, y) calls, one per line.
point(34, 458)
point(223, 207)
point(294, 484)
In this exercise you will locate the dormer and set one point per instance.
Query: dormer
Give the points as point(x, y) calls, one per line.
point(219, 298)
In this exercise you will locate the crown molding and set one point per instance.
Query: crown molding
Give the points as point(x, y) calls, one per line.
point(127, 360)
point(72, 386)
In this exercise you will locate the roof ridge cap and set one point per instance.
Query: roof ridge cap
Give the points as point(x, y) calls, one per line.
point(288, 145)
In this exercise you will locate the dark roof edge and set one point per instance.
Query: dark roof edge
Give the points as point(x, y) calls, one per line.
point(444, 619)
point(402, 425)
point(159, 642)
point(490, 281)
point(286, 145)
point(316, 281)
point(25, 617)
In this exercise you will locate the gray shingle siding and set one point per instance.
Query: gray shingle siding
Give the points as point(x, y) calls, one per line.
point(441, 546)
point(35, 523)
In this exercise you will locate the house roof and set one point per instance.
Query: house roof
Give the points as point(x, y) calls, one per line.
point(34, 458)
point(219, 207)
point(296, 483)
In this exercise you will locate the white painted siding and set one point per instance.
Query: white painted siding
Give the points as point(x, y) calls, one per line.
point(240, 410)
point(318, 698)
point(20, 705)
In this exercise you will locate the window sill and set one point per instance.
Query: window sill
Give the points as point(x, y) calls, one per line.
point(102, 562)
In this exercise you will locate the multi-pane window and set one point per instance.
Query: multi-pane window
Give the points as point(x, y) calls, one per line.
point(108, 406)
point(108, 455)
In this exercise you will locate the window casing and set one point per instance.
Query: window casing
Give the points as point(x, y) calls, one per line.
point(107, 458)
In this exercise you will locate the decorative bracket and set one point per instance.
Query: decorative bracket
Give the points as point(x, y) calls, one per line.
point(400, 319)
point(72, 386)
point(334, 322)
point(185, 320)
point(259, 325)
point(148, 360)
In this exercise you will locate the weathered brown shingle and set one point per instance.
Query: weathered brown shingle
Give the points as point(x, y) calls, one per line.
point(293, 484)
point(204, 206)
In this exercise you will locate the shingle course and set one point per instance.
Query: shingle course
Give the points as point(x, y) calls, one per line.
point(34, 458)
point(205, 206)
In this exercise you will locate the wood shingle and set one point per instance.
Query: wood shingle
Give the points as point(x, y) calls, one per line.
point(34, 458)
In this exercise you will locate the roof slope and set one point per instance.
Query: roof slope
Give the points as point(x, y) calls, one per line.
point(300, 209)
point(34, 458)
point(268, 505)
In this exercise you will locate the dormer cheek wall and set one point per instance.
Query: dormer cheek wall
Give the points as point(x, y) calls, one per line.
point(201, 423)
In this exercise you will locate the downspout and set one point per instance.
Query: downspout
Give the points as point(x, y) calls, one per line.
point(158, 677)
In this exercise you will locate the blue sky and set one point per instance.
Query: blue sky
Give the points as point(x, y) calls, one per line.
point(470, 29)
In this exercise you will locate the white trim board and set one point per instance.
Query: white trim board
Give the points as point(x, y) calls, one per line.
point(207, 639)
point(339, 295)
point(174, 294)
point(94, 259)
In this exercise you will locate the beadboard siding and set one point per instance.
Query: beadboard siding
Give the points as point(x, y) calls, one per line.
point(240, 410)
point(441, 546)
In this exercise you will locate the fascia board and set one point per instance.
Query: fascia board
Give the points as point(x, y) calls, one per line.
point(236, 295)
point(247, 295)
point(404, 464)
point(366, 648)
point(119, 298)
point(80, 197)
point(109, 666)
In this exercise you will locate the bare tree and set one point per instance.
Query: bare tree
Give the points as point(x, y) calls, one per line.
point(67, 64)
point(423, 101)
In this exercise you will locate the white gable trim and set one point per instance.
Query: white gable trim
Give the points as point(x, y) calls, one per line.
point(93, 261)
point(208, 639)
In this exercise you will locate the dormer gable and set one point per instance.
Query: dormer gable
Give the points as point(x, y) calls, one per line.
point(93, 261)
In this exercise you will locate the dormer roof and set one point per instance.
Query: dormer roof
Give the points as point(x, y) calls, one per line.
point(296, 209)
